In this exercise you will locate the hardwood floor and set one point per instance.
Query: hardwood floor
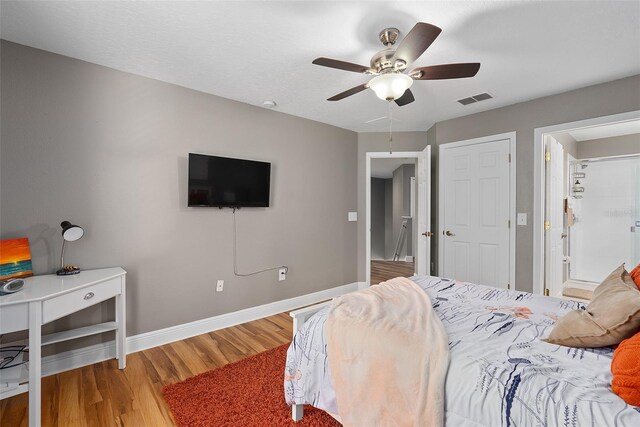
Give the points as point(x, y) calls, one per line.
point(103, 395)
point(385, 270)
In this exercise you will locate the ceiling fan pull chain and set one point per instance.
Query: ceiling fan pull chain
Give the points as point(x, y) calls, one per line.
point(390, 127)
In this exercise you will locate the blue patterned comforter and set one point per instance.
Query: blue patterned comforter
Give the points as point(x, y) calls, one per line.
point(500, 374)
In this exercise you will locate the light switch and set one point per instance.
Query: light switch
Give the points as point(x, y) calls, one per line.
point(522, 219)
point(353, 216)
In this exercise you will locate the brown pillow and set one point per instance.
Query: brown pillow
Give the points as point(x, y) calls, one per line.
point(612, 315)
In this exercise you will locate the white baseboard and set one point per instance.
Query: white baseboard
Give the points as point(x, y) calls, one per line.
point(97, 353)
point(408, 258)
point(180, 332)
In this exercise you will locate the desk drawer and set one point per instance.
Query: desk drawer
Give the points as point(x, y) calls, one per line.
point(63, 305)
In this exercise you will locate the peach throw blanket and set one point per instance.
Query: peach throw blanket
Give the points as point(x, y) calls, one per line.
point(388, 354)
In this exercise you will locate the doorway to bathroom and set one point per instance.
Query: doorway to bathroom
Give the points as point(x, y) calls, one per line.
point(588, 199)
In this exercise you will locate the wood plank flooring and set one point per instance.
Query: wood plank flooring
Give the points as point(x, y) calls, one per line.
point(385, 270)
point(103, 395)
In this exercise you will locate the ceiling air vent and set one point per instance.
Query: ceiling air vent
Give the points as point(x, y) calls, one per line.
point(467, 101)
point(475, 98)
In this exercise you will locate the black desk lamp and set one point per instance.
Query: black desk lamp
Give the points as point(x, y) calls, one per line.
point(70, 233)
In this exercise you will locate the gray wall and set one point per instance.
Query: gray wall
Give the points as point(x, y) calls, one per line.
point(614, 146)
point(108, 150)
point(378, 218)
point(600, 100)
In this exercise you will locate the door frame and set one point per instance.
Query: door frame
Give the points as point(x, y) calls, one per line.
point(511, 136)
point(539, 183)
point(380, 155)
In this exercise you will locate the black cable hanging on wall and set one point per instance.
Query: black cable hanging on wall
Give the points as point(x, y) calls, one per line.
point(235, 257)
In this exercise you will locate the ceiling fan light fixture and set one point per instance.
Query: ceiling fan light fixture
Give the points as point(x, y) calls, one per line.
point(390, 86)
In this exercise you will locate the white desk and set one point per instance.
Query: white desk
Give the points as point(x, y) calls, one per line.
point(47, 298)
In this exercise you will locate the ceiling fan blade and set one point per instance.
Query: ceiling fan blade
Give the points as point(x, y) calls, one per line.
point(406, 98)
point(446, 71)
point(416, 42)
point(340, 65)
point(349, 92)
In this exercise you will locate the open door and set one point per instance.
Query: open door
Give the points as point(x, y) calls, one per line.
point(554, 217)
point(423, 249)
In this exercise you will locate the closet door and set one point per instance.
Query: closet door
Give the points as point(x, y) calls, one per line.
point(475, 191)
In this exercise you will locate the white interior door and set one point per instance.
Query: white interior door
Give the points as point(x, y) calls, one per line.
point(475, 198)
point(554, 222)
point(423, 250)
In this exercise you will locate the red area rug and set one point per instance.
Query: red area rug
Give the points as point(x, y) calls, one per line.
point(248, 393)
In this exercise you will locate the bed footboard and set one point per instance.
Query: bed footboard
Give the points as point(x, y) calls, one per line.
point(299, 318)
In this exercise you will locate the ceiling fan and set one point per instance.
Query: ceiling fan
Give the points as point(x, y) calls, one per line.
point(390, 82)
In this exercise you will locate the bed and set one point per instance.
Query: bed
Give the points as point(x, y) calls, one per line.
point(500, 371)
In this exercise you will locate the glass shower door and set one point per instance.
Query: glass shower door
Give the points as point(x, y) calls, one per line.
point(606, 232)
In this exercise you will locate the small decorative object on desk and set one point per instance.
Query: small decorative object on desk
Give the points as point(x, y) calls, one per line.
point(15, 264)
point(70, 233)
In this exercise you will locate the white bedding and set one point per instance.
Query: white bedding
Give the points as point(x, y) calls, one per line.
point(500, 373)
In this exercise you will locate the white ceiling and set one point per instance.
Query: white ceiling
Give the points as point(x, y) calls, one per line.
point(606, 131)
point(383, 168)
point(256, 51)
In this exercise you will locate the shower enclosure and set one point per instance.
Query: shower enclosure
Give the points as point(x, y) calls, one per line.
point(605, 199)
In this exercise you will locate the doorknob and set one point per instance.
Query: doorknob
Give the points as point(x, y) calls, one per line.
point(427, 234)
point(449, 233)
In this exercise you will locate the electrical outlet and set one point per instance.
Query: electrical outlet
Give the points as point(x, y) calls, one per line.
point(282, 274)
point(220, 286)
point(522, 219)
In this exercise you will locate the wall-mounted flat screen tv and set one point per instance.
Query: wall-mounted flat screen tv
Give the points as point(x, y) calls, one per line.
point(226, 182)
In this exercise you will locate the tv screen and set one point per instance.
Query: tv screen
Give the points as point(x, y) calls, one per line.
point(222, 181)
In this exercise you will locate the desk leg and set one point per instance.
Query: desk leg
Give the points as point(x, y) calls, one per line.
point(121, 332)
point(35, 365)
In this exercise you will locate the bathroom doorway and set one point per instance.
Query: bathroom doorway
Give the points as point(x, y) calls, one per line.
point(589, 201)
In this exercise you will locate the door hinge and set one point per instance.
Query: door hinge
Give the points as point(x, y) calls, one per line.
point(546, 292)
point(509, 157)
point(547, 225)
point(508, 223)
point(547, 156)
point(508, 285)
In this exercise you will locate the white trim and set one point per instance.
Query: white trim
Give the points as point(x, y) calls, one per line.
point(180, 332)
point(605, 158)
point(367, 196)
point(99, 352)
point(538, 183)
point(511, 136)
